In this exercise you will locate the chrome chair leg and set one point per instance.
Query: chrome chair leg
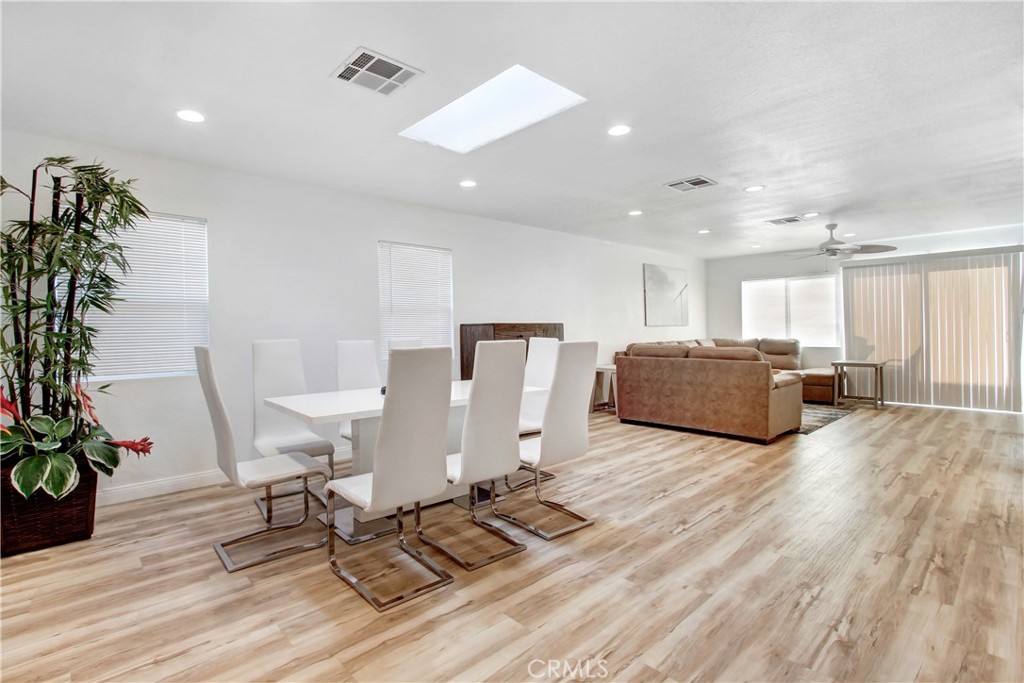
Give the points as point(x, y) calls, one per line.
point(265, 509)
point(231, 566)
point(544, 476)
point(379, 604)
point(470, 565)
point(582, 521)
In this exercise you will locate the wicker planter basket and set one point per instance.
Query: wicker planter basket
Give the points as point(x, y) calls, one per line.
point(42, 522)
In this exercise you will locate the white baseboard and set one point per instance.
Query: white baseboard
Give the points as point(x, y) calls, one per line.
point(146, 489)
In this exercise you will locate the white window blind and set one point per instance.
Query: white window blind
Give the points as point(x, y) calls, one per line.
point(804, 308)
point(165, 307)
point(415, 294)
point(948, 326)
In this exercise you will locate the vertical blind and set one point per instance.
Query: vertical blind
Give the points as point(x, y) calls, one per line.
point(415, 294)
point(803, 308)
point(949, 327)
point(165, 307)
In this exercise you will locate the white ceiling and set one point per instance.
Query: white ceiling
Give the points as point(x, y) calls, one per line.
point(891, 119)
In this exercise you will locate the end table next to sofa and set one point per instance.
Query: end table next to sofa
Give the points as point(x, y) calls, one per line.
point(602, 370)
point(877, 385)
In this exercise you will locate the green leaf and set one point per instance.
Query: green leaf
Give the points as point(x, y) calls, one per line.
point(63, 429)
point(43, 424)
point(102, 453)
point(61, 479)
point(16, 439)
point(46, 445)
point(74, 482)
point(29, 473)
point(101, 468)
point(98, 432)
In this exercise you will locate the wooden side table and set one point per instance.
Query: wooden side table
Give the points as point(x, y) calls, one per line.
point(878, 385)
point(602, 370)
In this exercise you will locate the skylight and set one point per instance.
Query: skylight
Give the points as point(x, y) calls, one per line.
point(511, 101)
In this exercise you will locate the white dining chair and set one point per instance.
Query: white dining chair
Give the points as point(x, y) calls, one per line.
point(490, 438)
point(565, 431)
point(254, 474)
point(409, 462)
point(277, 371)
point(357, 369)
point(540, 371)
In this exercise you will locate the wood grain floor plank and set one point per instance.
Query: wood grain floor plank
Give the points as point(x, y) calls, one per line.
point(886, 546)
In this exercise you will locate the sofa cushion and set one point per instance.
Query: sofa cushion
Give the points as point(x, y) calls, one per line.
point(819, 377)
point(726, 353)
point(782, 362)
point(752, 343)
point(659, 350)
point(779, 347)
point(781, 353)
point(629, 348)
point(705, 342)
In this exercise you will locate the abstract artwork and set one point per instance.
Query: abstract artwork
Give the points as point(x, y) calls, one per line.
point(665, 296)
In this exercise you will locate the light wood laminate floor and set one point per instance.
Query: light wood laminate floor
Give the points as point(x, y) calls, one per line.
point(883, 547)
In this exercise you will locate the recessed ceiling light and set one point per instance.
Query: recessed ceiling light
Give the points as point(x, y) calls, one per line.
point(468, 183)
point(636, 212)
point(812, 214)
point(849, 234)
point(619, 130)
point(755, 246)
point(191, 116)
point(753, 188)
point(511, 101)
point(703, 232)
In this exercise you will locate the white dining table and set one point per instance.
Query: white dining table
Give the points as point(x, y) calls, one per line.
point(363, 408)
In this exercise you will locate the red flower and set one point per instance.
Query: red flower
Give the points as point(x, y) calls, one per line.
point(86, 402)
point(140, 447)
point(9, 409)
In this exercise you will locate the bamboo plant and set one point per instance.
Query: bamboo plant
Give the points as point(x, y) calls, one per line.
point(60, 265)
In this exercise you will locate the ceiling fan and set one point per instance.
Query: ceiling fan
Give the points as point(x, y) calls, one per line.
point(837, 250)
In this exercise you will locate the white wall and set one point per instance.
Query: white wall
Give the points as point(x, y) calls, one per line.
point(292, 260)
point(724, 276)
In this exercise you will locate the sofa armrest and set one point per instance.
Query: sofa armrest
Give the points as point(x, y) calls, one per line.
point(784, 379)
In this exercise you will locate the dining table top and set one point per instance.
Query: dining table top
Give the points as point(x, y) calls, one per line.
point(329, 407)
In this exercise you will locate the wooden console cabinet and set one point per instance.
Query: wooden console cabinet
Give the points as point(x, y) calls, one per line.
point(469, 335)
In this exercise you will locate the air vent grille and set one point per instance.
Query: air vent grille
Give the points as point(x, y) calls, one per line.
point(693, 183)
point(785, 221)
point(375, 71)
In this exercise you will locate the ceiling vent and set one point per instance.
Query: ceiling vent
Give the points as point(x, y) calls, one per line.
point(785, 221)
point(375, 71)
point(693, 183)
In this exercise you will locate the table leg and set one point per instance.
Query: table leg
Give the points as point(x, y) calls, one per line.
point(878, 387)
point(613, 395)
point(881, 385)
point(835, 384)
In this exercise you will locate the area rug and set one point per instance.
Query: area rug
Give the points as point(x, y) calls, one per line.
point(817, 416)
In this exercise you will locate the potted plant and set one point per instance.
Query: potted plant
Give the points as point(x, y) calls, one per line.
point(57, 270)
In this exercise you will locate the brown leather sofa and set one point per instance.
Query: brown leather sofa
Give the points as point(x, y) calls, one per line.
point(783, 354)
point(715, 389)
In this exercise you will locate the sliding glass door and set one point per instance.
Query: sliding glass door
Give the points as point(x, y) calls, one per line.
point(950, 327)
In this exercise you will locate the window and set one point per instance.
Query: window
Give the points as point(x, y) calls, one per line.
point(804, 308)
point(415, 294)
point(165, 307)
point(948, 326)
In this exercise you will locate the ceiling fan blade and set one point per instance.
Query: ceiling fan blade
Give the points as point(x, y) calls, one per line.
point(846, 247)
point(812, 254)
point(875, 248)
